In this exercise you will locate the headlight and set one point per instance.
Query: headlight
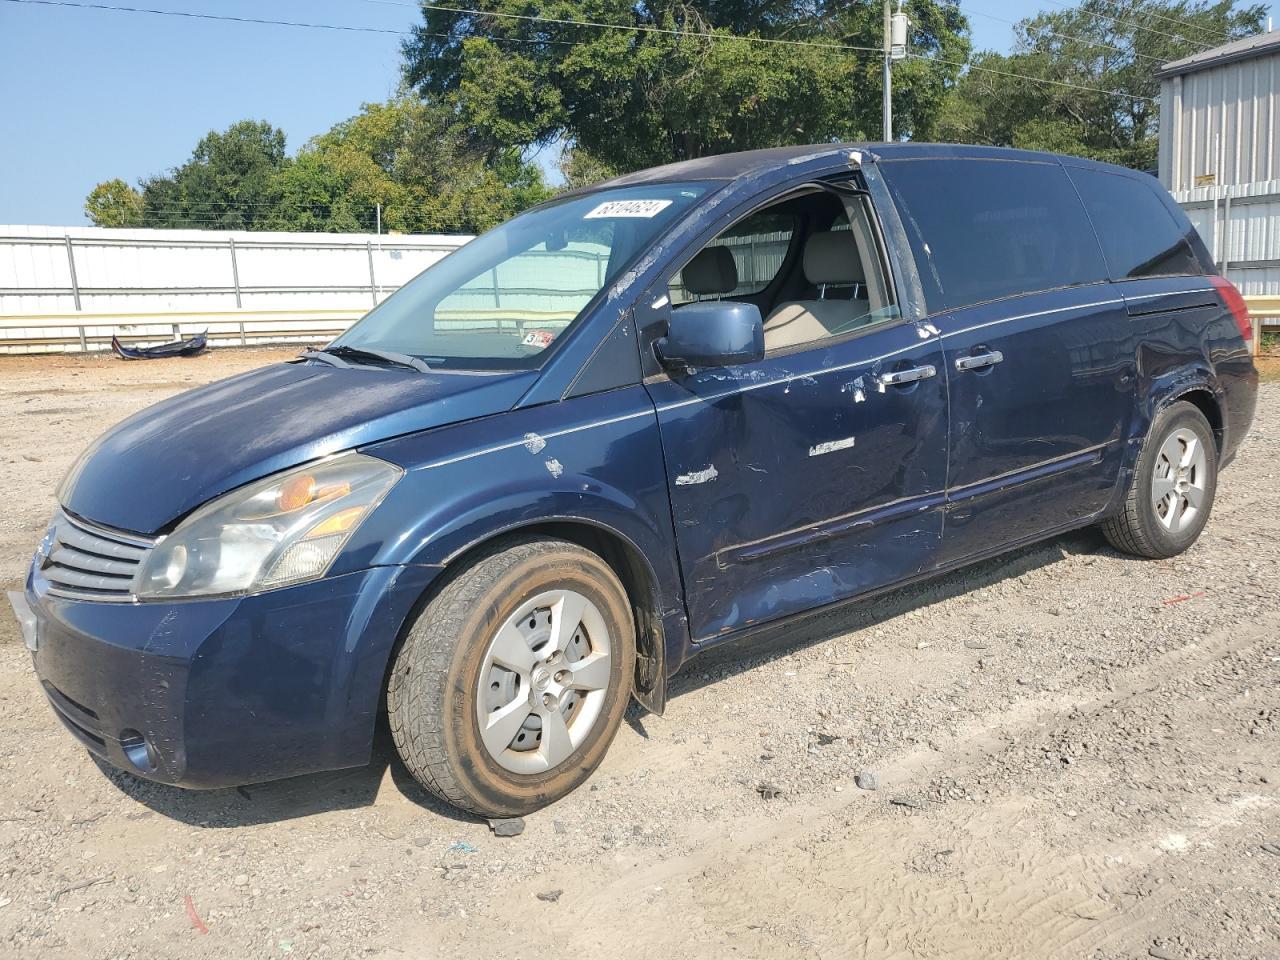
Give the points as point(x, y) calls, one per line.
point(281, 530)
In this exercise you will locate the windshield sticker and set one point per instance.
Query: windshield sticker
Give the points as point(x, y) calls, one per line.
point(538, 339)
point(628, 208)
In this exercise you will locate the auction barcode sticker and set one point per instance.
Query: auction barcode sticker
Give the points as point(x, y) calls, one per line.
point(628, 208)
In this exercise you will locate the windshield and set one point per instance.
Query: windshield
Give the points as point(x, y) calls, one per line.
point(501, 300)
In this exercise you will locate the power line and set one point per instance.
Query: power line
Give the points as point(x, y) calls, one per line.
point(1044, 31)
point(1200, 44)
point(628, 27)
point(85, 4)
point(1020, 76)
point(1221, 35)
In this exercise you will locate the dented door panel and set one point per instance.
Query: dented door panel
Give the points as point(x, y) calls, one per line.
point(1042, 399)
point(806, 479)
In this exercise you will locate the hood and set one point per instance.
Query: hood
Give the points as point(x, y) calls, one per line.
point(170, 458)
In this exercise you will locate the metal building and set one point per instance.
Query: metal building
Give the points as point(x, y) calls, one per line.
point(1220, 154)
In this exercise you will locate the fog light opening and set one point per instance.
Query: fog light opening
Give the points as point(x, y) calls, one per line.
point(138, 750)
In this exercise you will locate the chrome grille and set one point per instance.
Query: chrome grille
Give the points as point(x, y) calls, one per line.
point(87, 562)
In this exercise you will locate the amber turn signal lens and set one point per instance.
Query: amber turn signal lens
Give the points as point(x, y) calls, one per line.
point(340, 522)
point(296, 493)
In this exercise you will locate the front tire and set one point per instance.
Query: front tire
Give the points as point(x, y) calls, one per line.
point(1172, 489)
point(513, 679)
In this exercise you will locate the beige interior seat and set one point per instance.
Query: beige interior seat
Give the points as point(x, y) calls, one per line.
point(712, 272)
point(830, 260)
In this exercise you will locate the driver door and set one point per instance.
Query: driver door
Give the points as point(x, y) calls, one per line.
point(816, 473)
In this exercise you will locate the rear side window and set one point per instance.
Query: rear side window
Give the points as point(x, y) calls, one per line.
point(986, 229)
point(1140, 236)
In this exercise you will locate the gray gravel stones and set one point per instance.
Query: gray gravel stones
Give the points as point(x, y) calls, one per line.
point(867, 780)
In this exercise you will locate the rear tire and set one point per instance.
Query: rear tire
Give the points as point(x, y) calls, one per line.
point(513, 679)
point(1171, 492)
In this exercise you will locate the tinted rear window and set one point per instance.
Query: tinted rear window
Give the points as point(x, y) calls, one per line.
point(985, 229)
point(1140, 236)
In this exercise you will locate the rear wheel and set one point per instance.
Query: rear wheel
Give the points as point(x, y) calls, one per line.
point(1172, 489)
point(513, 680)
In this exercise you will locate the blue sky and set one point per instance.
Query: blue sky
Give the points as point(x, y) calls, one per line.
point(89, 94)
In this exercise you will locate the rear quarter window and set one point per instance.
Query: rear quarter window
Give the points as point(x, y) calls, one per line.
point(986, 229)
point(1139, 234)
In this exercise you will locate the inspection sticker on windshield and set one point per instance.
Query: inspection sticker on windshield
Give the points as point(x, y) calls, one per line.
point(538, 339)
point(628, 208)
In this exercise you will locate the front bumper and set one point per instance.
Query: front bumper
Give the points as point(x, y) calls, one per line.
point(218, 692)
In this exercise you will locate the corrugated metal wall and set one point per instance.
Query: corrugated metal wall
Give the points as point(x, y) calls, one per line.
point(1221, 122)
point(1241, 227)
point(1220, 157)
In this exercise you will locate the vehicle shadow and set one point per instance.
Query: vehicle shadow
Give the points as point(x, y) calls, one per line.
point(280, 800)
point(358, 787)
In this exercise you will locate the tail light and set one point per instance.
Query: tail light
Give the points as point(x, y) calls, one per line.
point(1235, 303)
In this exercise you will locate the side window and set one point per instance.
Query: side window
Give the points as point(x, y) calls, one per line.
point(758, 246)
point(835, 284)
point(1140, 236)
point(985, 229)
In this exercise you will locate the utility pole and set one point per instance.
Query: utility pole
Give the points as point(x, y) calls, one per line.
point(887, 86)
point(895, 48)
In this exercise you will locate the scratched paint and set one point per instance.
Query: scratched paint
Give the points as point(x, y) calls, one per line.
point(698, 476)
point(831, 446)
point(534, 443)
point(857, 387)
point(554, 467)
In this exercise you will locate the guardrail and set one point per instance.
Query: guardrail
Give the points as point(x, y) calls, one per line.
point(1264, 311)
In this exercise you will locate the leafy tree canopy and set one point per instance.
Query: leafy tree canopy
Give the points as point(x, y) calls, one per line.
point(674, 84)
point(1112, 46)
point(227, 184)
point(408, 155)
point(113, 203)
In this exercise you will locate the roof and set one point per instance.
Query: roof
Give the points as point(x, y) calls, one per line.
point(731, 166)
point(1259, 45)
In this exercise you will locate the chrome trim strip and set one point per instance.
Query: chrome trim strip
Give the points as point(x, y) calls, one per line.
point(107, 533)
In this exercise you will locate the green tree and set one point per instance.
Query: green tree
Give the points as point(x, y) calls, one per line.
point(678, 81)
point(113, 203)
point(229, 183)
point(581, 169)
point(1094, 91)
point(412, 158)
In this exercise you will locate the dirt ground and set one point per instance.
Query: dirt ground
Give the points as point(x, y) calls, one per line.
point(1078, 756)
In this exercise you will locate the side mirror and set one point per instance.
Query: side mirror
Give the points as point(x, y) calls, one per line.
point(713, 333)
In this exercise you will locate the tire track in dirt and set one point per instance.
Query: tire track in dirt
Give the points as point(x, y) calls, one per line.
point(841, 876)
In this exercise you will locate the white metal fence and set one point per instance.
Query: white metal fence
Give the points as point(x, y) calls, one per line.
point(73, 287)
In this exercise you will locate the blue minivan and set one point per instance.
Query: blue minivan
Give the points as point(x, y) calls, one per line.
point(632, 423)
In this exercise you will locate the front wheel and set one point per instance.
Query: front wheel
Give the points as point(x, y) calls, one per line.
point(512, 681)
point(1172, 489)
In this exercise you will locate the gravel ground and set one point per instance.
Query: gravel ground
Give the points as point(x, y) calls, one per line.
point(1075, 755)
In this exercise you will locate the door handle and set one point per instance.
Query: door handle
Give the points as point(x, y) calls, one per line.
point(979, 360)
point(910, 375)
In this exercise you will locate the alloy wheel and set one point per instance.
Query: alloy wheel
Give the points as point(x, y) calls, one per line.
point(1178, 480)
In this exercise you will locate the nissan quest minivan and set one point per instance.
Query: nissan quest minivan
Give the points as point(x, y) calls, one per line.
point(637, 421)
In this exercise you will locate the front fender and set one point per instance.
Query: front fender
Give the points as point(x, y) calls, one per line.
point(595, 460)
